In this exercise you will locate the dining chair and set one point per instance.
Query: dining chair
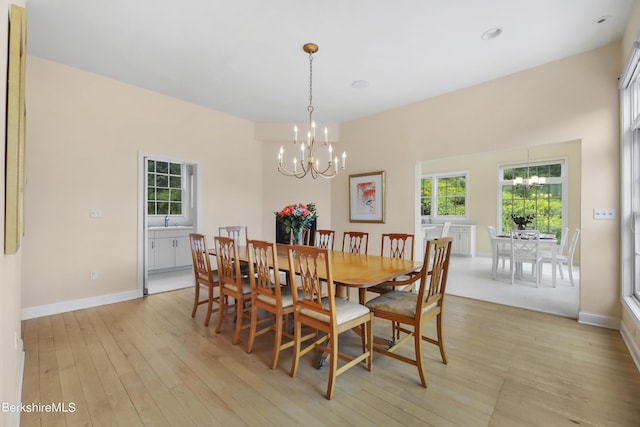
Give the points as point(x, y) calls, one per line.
point(356, 242)
point(239, 233)
point(398, 246)
point(324, 239)
point(317, 307)
point(268, 295)
point(445, 229)
point(500, 251)
point(525, 248)
point(562, 259)
point(204, 275)
point(232, 284)
point(410, 311)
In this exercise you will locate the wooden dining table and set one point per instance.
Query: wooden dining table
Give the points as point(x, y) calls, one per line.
point(350, 270)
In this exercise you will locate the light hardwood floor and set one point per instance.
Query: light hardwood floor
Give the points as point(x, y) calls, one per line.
point(147, 362)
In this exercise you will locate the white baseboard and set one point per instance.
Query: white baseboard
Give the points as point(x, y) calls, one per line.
point(78, 304)
point(599, 320)
point(631, 345)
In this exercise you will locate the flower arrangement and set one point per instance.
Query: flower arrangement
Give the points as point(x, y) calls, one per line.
point(296, 217)
point(522, 220)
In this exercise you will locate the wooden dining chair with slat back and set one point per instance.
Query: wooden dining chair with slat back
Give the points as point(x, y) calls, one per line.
point(268, 295)
point(204, 275)
point(232, 285)
point(325, 313)
point(240, 234)
point(356, 242)
point(411, 310)
point(398, 246)
point(324, 239)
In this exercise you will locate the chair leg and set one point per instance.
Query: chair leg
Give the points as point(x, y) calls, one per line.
point(559, 265)
point(196, 300)
point(333, 355)
point(296, 347)
point(277, 341)
point(209, 306)
point(440, 340)
point(221, 312)
point(239, 311)
point(570, 268)
point(369, 329)
point(252, 328)
point(417, 339)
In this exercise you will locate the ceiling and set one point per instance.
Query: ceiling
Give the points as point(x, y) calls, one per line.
point(245, 58)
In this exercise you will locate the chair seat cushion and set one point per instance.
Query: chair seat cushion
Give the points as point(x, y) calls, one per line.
point(246, 286)
point(397, 302)
point(345, 311)
point(285, 296)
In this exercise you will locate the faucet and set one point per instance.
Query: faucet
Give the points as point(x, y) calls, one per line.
point(166, 220)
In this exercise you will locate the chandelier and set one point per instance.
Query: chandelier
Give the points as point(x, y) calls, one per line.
point(529, 181)
point(310, 158)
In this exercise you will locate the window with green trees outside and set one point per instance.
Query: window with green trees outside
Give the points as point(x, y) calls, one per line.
point(444, 195)
point(543, 202)
point(164, 188)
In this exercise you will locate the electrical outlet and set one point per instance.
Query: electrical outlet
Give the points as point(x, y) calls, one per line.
point(93, 275)
point(604, 213)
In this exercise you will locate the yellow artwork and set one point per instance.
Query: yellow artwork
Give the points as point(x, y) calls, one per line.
point(16, 115)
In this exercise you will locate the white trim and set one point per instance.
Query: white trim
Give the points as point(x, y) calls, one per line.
point(14, 419)
point(631, 66)
point(78, 304)
point(627, 337)
point(599, 320)
point(563, 180)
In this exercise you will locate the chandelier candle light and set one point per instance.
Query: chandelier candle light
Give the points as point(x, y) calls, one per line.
point(309, 157)
point(533, 181)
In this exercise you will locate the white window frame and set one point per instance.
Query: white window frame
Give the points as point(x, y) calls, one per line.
point(563, 180)
point(434, 195)
point(630, 183)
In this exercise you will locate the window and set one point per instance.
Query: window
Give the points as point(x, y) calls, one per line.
point(630, 170)
point(164, 188)
point(545, 202)
point(444, 195)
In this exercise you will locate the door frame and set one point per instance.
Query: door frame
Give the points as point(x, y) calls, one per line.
point(142, 210)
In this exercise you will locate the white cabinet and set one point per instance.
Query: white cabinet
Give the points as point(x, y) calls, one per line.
point(168, 249)
point(463, 237)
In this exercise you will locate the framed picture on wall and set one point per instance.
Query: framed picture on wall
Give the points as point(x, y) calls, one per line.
point(366, 197)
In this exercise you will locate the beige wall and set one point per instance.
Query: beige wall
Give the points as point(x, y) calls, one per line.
point(280, 190)
point(10, 273)
point(84, 135)
point(568, 100)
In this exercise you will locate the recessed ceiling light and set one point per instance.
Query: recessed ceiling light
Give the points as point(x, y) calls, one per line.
point(360, 84)
point(491, 33)
point(602, 19)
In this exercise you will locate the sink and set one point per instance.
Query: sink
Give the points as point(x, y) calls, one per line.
point(171, 227)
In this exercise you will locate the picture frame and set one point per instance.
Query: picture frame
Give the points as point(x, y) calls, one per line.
point(367, 197)
point(15, 133)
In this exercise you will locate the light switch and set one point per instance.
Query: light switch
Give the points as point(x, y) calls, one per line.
point(604, 213)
